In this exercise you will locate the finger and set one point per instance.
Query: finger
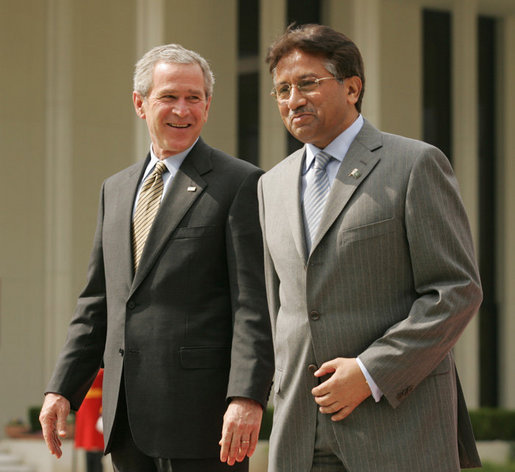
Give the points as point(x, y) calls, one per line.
point(49, 434)
point(342, 414)
point(242, 449)
point(225, 444)
point(332, 408)
point(324, 400)
point(61, 426)
point(254, 436)
point(234, 449)
point(325, 368)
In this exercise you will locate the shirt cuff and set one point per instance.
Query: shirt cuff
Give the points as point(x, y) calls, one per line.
point(376, 392)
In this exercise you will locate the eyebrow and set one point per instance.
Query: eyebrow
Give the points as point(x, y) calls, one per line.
point(175, 91)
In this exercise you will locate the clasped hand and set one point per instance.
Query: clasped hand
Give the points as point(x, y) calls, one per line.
point(343, 391)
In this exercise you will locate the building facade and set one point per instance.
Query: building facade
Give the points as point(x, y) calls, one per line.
point(438, 70)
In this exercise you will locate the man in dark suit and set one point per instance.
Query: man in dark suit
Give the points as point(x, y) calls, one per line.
point(174, 306)
point(371, 279)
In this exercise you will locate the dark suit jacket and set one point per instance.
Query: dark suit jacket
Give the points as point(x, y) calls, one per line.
point(191, 327)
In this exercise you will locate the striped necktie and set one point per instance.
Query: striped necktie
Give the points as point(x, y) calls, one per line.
point(146, 209)
point(315, 197)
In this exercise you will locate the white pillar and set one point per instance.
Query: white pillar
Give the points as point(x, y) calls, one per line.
point(367, 36)
point(58, 174)
point(149, 33)
point(506, 178)
point(465, 159)
point(272, 137)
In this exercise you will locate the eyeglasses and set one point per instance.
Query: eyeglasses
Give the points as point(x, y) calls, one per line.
point(282, 92)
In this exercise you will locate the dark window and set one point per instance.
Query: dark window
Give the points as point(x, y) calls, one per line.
point(248, 117)
point(437, 79)
point(301, 12)
point(248, 80)
point(248, 28)
point(488, 317)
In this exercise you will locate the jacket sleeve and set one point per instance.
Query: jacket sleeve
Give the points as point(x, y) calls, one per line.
point(445, 277)
point(252, 353)
point(81, 356)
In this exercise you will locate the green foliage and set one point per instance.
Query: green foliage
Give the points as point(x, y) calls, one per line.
point(493, 423)
point(488, 467)
point(266, 424)
point(34, 423)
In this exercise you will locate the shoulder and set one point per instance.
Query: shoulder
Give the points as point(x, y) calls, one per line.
point(287, 165)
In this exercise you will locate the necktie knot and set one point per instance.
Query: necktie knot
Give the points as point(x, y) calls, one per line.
point(160, 168)
point(321, 160)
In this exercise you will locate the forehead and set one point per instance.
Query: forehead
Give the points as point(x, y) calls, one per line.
point(178, 76)
point(296, 64)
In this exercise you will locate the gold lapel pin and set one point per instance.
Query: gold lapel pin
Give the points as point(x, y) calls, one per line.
point(355, 173)
point(192, 189)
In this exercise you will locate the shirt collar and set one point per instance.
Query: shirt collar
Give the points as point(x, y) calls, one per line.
point(336, 148)
point(172, 163)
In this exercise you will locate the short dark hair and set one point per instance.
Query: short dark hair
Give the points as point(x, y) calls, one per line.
point(343, 56)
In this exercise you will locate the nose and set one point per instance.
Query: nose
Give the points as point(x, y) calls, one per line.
point(297, 99)
point(180, 107)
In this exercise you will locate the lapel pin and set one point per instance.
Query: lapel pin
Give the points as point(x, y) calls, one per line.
point(355, 173)
point(192, 189)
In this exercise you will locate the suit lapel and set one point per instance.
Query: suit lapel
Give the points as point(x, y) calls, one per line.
point(185, 188)
point(359, 161)
point(292, 200)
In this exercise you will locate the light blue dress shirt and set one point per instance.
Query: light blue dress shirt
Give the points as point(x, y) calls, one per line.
point(338, 149)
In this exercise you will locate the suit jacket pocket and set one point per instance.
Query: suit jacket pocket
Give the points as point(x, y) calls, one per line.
point(369, 231)
point(205, 357)
point(186, 232)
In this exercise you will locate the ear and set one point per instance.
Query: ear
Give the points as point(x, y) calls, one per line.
point(139, 104)
point(354, 86)
point(208, 106)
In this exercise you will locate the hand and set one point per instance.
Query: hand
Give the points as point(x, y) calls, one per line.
point(344, 390)
point(240, 430)
point(53, 417)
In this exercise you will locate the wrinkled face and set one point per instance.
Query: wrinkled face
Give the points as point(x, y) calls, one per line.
point(175, 109)
point(320, 115)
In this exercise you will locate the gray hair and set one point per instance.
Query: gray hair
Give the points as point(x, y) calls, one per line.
point(173, 54)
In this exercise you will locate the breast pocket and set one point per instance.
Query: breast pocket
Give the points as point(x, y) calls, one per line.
point(193, 232)
point(369, 231)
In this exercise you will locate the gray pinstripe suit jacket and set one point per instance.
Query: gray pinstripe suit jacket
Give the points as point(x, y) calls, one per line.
point(393, 275)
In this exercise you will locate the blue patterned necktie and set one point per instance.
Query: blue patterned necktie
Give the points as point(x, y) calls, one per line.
point(315, 197)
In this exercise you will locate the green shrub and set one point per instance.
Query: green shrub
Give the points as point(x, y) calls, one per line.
point(266, 423)
point(493, 423)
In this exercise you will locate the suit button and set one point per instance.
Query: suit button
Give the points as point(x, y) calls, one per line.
point(312, 368)
point(314, 315)
point(121, 351)
point(131, 305)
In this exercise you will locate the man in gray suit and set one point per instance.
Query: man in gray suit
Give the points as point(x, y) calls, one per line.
point(370, 275)
point(174, 305)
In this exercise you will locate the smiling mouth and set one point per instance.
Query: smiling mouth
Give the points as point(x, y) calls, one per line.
point(178, 125)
